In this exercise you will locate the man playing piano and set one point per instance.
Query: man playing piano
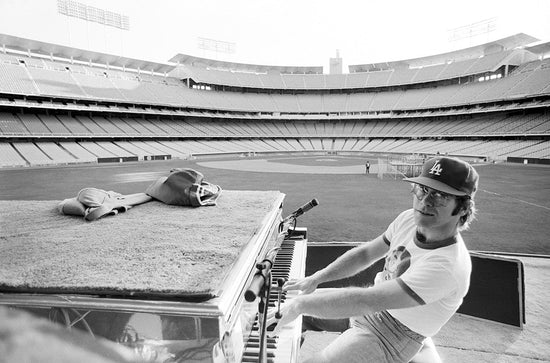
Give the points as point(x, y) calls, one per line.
point(425, 276)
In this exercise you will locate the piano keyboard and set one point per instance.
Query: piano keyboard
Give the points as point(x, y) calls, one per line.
point(289, 264)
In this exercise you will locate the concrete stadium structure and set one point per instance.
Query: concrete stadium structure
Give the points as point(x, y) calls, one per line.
point(62, 105)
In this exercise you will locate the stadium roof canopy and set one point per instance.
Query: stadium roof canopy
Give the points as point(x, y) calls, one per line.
point(511, 42)
point(10, 42)
point(189, 60)
point(541, 49)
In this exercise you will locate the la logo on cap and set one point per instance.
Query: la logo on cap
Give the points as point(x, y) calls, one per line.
point(436, 169)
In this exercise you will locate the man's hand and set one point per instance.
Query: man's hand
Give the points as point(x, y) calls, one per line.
point(289, 312)
point(306, 285)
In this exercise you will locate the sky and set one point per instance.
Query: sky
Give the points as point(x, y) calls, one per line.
point(280, 32)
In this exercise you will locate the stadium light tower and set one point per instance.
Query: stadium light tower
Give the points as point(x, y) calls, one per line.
point(472, 30)
point(113, 23)
point(90, 13)
point(216, 46)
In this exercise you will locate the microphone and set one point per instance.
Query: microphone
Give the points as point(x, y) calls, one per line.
point(263, 269)
point(306, 207)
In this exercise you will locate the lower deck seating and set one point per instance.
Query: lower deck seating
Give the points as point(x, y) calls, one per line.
point(48, 153)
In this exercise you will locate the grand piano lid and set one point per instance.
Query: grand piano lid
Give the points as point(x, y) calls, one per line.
point(152, 251)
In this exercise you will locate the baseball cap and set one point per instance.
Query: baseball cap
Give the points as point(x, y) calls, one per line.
point(448, 175)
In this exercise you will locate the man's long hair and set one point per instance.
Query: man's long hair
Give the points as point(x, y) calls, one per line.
point(468, 204)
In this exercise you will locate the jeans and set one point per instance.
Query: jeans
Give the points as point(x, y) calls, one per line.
point(378, 337)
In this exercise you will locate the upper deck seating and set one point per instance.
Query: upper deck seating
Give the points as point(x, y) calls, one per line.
point(294, 129)
point(124, 126)
point(286, 103)
point(152, 125)
point(11, 125)
point(294, 81)
point(412, 99)
point(272, 81)
point(271, 128)
point(107, 125)
point(359, 101)
point(248, 79)
point(356, 80)
point(379, 78)
point(8, 58)
point(169, 94)
point(310, 103)
point(233, 128)
point(96, 84)
point(335, 81)
point(211, 76)
point(315, 81)
point(91, 125)
point(15, 79)
point(539, 125)
point(261, 102)
point(137, 126)
point(112, 85)
point(535, 82)
point(282, 127)
point(264, 128)
point(55, 82)
point(428, 74)
point(498, 89)
point(457, 69)
point(436, 97)
point(466, 93)
point(34, 124)
point(384, 101)
point(133, 89)
point(401, 76)
point(334, 102)
point(488, 62)
point(74, 125)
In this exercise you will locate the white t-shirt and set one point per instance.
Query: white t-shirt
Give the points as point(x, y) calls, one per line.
point(437, 276)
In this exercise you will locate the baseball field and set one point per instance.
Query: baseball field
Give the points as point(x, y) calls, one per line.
point(513, 200)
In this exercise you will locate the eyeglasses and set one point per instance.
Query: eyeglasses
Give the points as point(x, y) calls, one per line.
point(439, 199)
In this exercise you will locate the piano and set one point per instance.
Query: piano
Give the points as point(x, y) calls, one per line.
point(136, 302)
point(289, 264)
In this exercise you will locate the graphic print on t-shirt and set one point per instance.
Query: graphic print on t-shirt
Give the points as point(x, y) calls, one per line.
point(397, 262)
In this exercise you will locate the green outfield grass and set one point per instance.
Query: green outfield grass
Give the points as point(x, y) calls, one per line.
point(513, 200)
